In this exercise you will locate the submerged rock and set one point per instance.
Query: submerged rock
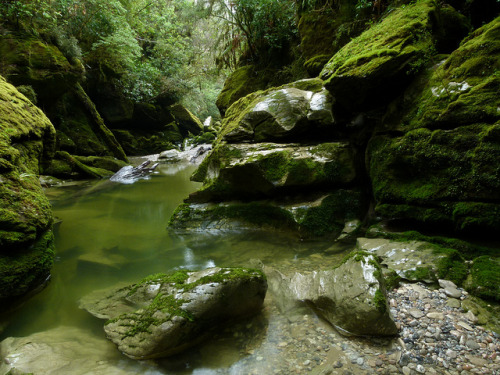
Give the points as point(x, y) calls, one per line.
point(62, 350)
point(165, 314)
point(352, 296)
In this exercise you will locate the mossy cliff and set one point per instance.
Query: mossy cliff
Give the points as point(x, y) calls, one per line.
point(27, 140)
point(26, 60)
point(444, 167)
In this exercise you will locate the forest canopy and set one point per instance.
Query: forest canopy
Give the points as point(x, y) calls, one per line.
point(179, 47)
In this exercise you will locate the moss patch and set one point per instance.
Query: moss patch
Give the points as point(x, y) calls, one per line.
point(485, 278)
point(377, 62)
point(167, 305)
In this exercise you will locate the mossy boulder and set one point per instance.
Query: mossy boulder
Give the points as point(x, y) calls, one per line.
point(165, 314)
point(242, 82)
point(67, 166)
point(410, 260)
point(26, 60)
point(139, 143)
point(242, 171)
point(27, 140)
point(299, 110)
point(351, 296)
point(316, 216)
point(380, 62)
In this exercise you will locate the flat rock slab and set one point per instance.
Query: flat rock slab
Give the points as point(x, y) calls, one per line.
point(61, 351)
point(405, 258)
point(165, 314)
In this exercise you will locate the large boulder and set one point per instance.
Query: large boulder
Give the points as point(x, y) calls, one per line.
point(436, 158)
point(27, 140)
point(244, 170)
point(352, 296)
point(317, 216)
point(294, 111)
point(164, 314)
point(381, 61)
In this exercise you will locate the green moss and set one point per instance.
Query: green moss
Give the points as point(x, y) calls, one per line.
point(485, 278)
point(261, 215)
point(26, 268)
point(392, 280)
point(98, 124)
point(358, 256)
point(438, 177)
point(240, 83)
point(330, 216)
point(29, 61)
point(380, 301)
point(275, 165)
point(78, 168)
point(421, 273)
point(445, 102)
point(382, 56)
point(452, 267)
point(171, 306)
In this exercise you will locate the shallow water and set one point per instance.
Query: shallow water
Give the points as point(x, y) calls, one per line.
point(111, 232)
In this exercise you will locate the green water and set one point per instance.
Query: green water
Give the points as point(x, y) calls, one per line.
point(110, 233)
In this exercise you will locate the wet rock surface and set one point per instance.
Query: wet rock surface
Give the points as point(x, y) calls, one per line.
point(165, 314)
point(351, 297)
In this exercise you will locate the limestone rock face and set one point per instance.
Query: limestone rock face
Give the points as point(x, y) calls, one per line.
point(352, 296)
point(381, 59)
point(280, 113)
point(444, 167)
point(27, 140)
point(165, 314)
point(245, 170)
point(326, 215)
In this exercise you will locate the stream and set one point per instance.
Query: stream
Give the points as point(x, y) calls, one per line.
point(111, 232)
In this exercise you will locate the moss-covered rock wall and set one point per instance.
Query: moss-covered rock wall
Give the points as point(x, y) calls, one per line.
point(27, 140)
point(443, 166)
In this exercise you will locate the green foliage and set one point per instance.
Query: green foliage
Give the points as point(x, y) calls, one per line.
point(256, 27)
